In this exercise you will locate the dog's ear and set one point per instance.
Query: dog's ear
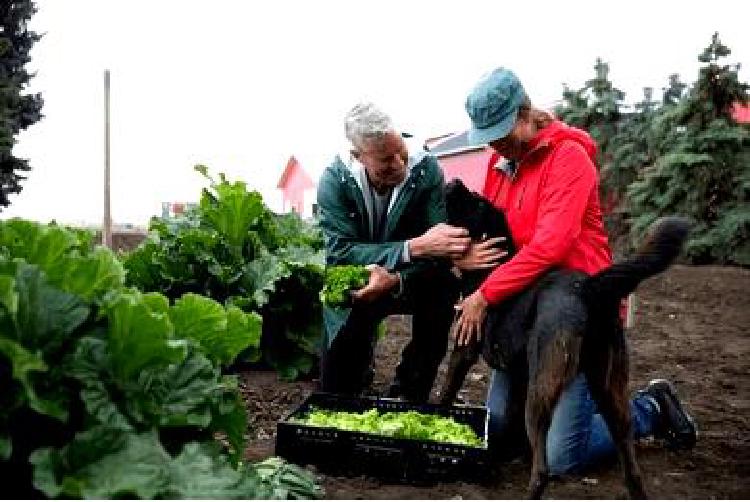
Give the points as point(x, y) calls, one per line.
point(459, 185)
point(452, 189)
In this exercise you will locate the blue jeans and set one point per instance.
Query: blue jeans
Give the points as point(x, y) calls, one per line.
point(578, 436)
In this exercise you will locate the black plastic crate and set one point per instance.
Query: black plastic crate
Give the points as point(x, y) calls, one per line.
point(407, 460)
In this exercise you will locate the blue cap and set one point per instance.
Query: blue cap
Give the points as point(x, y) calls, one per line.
point(493, 106)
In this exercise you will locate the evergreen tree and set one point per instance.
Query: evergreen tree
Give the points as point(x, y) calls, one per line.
point(673, 92)
point(574, 109)
point(595, 108)
point(703, 165)
point(17, 110)
point(605, 109)
point(632, 148)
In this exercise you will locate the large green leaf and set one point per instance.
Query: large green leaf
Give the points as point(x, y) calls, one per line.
point(46, 317)
point(103, 463)
point(243, 330)
point(261, 275)
point(64, 255)
point(230, 417)
point(142, 266)
point(177, 395)
point(221, 333)
point(90, 277)
point(191, 393)
point(233, 212)
point(23, 364)
point(201, 319)
point(200, 472)
point(91, 366)
point(139, 337)
point(42, 245)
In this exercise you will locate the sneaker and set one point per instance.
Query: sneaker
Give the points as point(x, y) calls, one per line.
point(675, 426)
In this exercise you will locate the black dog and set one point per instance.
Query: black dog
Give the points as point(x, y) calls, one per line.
point(483, 221)
point(553, 351)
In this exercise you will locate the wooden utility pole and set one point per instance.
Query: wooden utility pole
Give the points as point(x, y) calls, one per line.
point(107, 227)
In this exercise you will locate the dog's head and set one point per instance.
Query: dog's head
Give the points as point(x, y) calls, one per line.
point(467, 209)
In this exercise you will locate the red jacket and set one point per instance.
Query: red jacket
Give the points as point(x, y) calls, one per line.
point(553, 211)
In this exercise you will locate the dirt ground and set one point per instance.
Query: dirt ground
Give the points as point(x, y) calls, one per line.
point(691, 326)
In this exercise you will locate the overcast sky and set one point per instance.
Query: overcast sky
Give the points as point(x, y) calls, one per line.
point(242, 85)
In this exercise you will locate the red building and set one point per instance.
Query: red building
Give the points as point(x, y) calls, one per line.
point(297, 188)
point(741, 113)
point(459, 160)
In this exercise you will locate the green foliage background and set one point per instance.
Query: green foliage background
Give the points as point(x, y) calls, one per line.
point(18, 110)
point(684, 155)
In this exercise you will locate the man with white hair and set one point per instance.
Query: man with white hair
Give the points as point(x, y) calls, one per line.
point(382, 204)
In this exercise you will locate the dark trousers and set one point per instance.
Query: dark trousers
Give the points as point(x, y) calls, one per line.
point(346, 363)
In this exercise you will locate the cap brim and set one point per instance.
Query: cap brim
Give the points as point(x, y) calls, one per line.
point(500, 130)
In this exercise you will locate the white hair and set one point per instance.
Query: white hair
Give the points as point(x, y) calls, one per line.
point(365, 122)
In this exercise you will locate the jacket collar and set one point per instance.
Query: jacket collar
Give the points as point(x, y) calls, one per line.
point(357, 170)
point(510, 167)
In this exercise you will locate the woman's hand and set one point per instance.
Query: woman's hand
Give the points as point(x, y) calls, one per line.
point(469, 324)
point(482, 255)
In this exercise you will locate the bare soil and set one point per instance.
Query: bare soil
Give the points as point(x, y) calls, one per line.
point(691, 326)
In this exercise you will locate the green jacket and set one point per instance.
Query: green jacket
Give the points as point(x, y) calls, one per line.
point(344, 219)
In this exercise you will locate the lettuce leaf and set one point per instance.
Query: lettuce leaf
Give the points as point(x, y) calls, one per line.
point(408, 425)
point(340, 280)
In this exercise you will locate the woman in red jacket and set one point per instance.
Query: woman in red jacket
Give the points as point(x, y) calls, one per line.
point(544, 178)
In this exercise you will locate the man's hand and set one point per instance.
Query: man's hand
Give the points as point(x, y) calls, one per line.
point(442, 240)
point(482, 255)
point(381, 282)
point(469, 324)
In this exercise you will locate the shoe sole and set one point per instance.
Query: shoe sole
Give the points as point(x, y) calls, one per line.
point(677, 442)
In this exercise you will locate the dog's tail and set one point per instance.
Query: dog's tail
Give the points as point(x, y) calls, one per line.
point(662, 245)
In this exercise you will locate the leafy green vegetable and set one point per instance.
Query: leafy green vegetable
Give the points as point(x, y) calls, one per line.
point(232, 249)
point(407, 425)
point(103, 463)
point(36, 322)
point(222, 333)
point(66, 257)
point(287, 481)
point(339, 281)
point(110, 392)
